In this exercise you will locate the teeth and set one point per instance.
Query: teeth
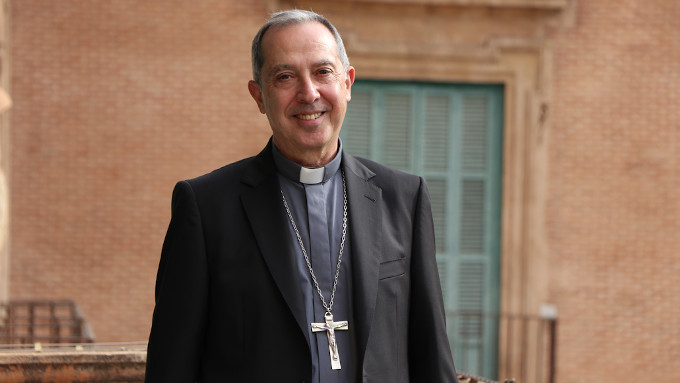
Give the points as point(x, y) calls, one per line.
point(308, 116)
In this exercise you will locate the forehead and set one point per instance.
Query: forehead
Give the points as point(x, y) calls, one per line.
point(307, 40)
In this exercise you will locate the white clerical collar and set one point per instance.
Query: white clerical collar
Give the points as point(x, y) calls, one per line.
point(297, 173)
point(311, 175)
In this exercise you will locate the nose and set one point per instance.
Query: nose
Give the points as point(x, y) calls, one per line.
point(307, 90)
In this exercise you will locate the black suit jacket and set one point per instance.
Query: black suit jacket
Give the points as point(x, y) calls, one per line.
point(228, 301)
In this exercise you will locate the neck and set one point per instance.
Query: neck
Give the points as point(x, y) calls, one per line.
point(310, 159)
point(314, 161)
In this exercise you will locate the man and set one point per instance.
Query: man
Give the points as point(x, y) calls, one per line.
point(302, 264)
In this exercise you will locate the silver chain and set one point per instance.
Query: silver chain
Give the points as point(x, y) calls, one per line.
point(327, 306)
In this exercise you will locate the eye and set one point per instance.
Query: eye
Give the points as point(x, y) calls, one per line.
point(325, 71)
point(284, 76)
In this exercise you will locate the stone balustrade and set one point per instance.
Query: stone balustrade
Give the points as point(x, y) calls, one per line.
point(119, 366)
point(109, 364)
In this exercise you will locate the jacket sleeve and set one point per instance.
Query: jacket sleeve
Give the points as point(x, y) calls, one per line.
point(178, 326)
point(430, 357)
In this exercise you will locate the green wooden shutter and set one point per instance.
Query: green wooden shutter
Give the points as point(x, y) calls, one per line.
point(451, 135)
point(397, 129)
point(478, 250)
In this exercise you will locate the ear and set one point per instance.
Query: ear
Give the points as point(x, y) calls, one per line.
point(256, 93)
point(349, 80)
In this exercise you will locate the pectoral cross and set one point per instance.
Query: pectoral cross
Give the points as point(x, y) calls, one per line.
point(329, 326)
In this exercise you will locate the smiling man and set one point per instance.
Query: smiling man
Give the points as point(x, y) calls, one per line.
point(303, 263)
point(303, 88)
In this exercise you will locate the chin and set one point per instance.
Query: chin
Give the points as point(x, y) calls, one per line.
point(315, 140)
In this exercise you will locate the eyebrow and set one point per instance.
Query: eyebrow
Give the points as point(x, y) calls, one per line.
point(279, 68)
point(324, 63)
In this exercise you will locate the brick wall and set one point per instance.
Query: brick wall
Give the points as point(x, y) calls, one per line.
point(114, 102)
point(614, 212)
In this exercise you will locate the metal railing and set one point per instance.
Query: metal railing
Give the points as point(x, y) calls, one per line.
point(520, 347)
point(36, 322)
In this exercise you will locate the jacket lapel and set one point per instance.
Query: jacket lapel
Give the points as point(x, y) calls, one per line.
point(273, 238)
point(364, 200)
point(271, 231)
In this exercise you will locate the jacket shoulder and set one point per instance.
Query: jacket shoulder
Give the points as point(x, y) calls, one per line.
point(388, 178)
point(231, 172)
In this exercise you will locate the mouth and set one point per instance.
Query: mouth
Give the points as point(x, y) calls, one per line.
point(312, 116)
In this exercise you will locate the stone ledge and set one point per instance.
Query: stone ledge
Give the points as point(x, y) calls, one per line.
point(73, 366)
point(80, 366)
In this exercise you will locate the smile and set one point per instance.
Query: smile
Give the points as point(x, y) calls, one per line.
point(309, 116)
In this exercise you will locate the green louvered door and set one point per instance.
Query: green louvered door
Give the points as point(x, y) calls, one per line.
point(451, 135)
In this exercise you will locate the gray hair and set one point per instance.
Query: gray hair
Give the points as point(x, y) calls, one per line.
point(287, 18)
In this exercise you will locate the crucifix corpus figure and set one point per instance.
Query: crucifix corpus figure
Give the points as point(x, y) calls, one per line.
point(329, 326)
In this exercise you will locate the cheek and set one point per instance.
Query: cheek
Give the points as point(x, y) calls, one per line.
point(276, 100)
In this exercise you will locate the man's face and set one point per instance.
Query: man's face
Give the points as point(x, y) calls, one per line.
point(304, 91)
